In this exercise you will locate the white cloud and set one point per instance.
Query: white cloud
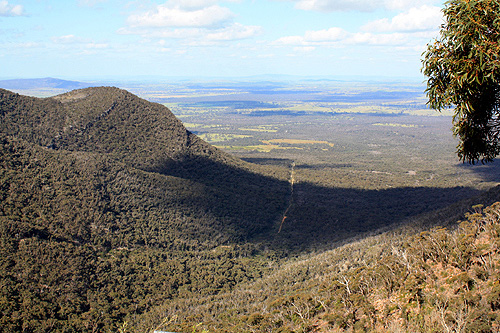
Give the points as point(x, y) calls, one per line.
point(191, 4)
point(407, 4)
point(89, 3)
point(195, 22)
point(92, 48)
point(340, 37)
point(69, 39)
point(407, 30)
point(7, 9)
point(290, 40)
point(234, 32)
point(339, 5)
point(266, 56)
point(329, 35)
point(72, 40)
point(177, 33)
point(312, 37)
point(367, 38)
point(188, 14)
point(423, 18)
point(97, 45)
point(359, 5)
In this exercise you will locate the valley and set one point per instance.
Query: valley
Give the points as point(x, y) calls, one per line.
point(365, 127)
point(370, 154)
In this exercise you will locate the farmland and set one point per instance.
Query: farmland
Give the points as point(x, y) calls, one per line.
point(368, 135)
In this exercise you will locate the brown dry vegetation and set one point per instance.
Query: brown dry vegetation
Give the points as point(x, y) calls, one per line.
point(441, 280)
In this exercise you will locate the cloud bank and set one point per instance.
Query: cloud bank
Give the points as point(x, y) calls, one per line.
point(402, 30)
point(175, 15)
point(7, 9)
point(422, 18)
point(358, 5)
point(196, 21)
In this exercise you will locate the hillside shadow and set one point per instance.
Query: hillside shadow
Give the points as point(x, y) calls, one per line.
point(251, 206)
point(321, 215)
point(489, 172)
point(247, 204)
point(286, 162)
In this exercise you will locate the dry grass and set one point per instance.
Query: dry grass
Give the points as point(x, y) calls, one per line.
point(297, 142)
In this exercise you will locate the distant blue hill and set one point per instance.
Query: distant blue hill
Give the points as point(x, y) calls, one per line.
point(47, 82)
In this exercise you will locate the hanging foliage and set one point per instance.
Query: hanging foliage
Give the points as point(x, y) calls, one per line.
point(463, 71)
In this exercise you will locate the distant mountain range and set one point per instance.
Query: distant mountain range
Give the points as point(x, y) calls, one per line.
point(48, 82)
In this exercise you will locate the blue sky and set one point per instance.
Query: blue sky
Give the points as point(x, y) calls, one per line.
point(76, 39)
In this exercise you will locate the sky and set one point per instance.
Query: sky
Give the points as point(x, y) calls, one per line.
point(83, 39)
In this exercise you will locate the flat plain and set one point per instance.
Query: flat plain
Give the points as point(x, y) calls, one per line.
point(381, 133)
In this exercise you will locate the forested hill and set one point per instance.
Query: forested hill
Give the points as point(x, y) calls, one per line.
point(141, 152)
point(104, 120)
point(99, 174)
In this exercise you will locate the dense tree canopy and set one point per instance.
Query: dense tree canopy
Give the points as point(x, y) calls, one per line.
point(463, 70)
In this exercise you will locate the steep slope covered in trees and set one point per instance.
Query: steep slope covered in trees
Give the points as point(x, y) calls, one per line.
point(104, 120)
point(441, 280)
point(107, 205)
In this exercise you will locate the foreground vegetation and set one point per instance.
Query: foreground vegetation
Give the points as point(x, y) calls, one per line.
point(441, 280)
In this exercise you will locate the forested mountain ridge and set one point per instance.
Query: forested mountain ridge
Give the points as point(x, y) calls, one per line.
point(110, 132)
point(103, 120)
point(99, 174)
